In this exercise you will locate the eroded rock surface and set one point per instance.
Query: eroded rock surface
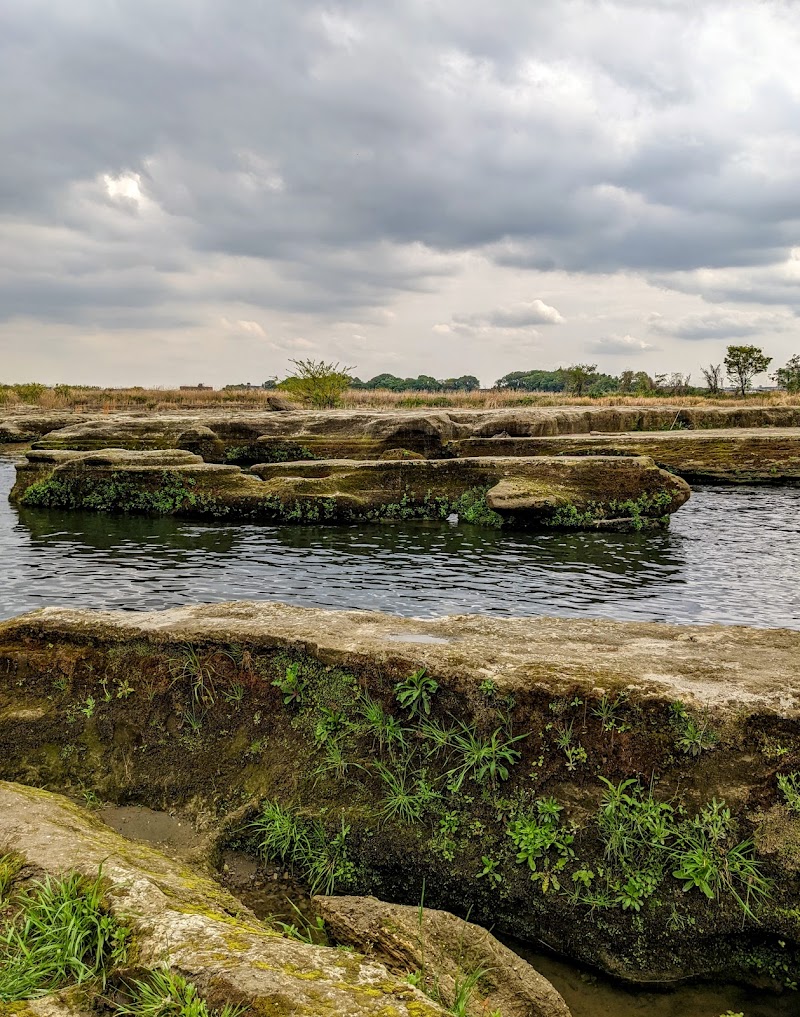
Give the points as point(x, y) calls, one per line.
point(578, 491)
point(186, 920)
point(744, 455)
point(248, 437)
point(445, 950)
point(213, 709)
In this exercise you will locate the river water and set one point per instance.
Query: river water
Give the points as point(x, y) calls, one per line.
point(731, 555)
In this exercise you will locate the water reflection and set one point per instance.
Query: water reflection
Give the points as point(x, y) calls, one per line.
point(731, 555)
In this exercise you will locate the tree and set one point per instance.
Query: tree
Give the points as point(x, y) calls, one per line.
point(743, 363)
point(319, 383)
point(643, 383)
point(713, 376)
point(580, 377)
point(788, 377)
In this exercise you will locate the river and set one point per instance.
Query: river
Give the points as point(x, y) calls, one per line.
point(731, 555)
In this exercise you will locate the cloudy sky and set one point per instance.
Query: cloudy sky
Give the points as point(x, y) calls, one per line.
point(199, 190)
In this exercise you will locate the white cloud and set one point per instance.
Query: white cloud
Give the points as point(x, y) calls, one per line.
point(616, 345)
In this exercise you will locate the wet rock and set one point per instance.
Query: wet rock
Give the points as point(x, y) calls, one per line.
point(185, 919)
point(555, 491)
point(537, 491)
point(86, 698)
point(446, 950)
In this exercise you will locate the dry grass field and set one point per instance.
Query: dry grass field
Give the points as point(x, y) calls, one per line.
point(19, 398)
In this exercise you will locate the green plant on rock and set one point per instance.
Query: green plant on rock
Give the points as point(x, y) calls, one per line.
point(292, 684)
point(482, 758)
point(234, 695)
point(707, 859)
point(789, 786)
point(58, 933)
point(693, 736)
point(576, 756)
point(329, 725)
point(322, 859)
point(634, 827)
point(190, 665)
point(444, 842)
point(415, 693)
point(471, 507)
point(489, 871)
point(542, 843)
point(329, 865)
point(607, 710)
point(384, 729)
point(162, 993)
point(406, 796)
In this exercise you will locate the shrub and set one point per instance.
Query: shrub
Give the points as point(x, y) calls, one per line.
point(317, 382)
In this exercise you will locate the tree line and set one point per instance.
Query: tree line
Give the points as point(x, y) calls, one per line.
point(323, 384)
point(742, 364)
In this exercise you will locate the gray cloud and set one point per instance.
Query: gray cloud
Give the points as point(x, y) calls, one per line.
point(718, 323)
point(327, 158)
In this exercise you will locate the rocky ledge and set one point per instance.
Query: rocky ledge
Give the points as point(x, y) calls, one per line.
point(733, 455)
point(582, 491)
point(248, 437)
point(626, 793)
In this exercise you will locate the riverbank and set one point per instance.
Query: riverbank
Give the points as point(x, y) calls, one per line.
point(466, 753)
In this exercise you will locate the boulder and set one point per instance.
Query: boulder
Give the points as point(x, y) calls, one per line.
point(445, 951)
point(184, 919)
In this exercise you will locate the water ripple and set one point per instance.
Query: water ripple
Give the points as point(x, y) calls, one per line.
point(731, 555)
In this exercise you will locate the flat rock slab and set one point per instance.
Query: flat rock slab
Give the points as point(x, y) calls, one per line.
point(185, 919)
point(108, 701)
point(743, 455)
point(728, 667)
point(249, 437)
point(572, 491)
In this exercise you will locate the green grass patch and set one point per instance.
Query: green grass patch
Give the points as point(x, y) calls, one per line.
point(56, 933)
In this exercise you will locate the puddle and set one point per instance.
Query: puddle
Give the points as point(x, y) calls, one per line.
point(413, 637)
point(175, 835)
point(270, 891)
point(589, 995)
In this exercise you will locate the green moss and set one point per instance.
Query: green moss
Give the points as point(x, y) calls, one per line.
point(117, 491)
point(263, 452)
point(641, 510)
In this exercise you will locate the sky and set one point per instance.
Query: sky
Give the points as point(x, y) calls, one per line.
point(201, 190)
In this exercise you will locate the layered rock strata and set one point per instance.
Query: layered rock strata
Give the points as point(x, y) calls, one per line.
point(744, 455)
point(587, 492)
point(510, 739)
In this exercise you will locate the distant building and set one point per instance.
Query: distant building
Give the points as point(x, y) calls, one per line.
point(197, 388)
